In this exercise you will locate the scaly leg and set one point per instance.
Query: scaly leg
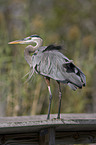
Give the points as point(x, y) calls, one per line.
point(58, 117)
point(50, 96)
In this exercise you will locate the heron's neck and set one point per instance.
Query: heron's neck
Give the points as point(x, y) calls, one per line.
point(30, 49)
point(39, 43)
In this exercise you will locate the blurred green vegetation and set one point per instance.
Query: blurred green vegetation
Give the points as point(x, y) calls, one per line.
point(71, 24)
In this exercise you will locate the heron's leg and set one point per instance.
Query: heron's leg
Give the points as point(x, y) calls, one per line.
point(58, 117)
point(50, 96)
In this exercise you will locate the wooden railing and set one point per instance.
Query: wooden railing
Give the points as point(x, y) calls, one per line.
point(36, 130)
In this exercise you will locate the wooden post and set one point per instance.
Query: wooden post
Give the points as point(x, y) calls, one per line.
point(47, 137)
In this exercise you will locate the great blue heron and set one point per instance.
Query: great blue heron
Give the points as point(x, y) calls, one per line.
point(50, 63)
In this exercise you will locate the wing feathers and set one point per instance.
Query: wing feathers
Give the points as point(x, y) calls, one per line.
point(52, 47)
point(57, 66)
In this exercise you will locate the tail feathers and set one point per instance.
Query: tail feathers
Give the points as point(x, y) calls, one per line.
point(81, 75)
point(83, 78)
point(77, 80)
point(73, 87)
point(76, 76)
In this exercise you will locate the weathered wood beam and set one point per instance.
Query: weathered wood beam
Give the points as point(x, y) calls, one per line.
point(68, 122)
point(36, 130)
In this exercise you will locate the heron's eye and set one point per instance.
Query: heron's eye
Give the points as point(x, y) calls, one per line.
point(29, 38)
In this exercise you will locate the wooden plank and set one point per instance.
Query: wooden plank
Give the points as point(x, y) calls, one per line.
point(47, 137)
point(71, 128)
point(68, 122)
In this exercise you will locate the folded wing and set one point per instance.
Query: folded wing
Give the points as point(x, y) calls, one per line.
point(57, 66)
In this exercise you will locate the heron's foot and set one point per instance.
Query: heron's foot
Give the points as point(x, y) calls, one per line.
point(48, 117)
point(53, 119)
point(58, 117)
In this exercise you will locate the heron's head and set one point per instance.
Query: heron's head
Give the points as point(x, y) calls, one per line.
point(28, 40)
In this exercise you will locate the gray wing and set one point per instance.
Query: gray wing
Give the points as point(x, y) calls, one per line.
point(58, 67)
point(49, 48)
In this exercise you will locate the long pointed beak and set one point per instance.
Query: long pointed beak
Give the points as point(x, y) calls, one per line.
point(16, 42)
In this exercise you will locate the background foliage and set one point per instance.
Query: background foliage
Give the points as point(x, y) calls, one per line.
point(70, 23)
